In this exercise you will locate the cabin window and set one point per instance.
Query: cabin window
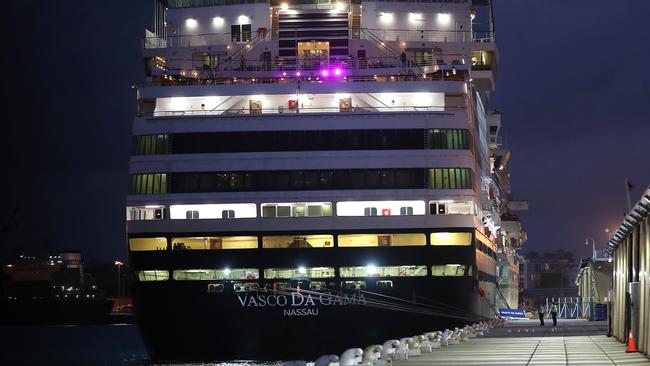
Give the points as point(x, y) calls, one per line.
point(145, 244)
point(298, 241)
point(214, 242)
point(245, 286)
point(300, 272)
point(445, 238)
point(317, 285)
point(451, 270)
point(384, 271)
point(216, 274)
point(214, 288)
point(382, 240)
point(152, 275)
point(353, 285)
point(384, 284)
point(314, 209)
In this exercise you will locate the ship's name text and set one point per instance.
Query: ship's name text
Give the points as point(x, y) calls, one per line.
point(296, 299)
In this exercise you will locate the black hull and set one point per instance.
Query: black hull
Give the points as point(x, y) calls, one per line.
point(181, 321)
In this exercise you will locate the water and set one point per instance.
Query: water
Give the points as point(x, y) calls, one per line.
point(87, 345)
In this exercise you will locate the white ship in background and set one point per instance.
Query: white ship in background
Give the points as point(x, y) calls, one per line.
point(308, 169)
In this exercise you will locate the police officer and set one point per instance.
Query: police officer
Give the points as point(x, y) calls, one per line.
point(541, 312)
point(554, 314)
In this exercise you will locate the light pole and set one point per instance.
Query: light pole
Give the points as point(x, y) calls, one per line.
point(119, 265)
point(593, 247)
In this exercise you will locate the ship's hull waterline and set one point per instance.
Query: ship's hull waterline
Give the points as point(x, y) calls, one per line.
point(182, 321)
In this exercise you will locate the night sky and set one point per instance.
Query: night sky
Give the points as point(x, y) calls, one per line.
point(572, 85)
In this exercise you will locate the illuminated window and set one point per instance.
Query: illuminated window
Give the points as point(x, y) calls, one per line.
point(450, 178)
point(300, 272)
point(384, 271)
point(245, 286)
point(216, 274)
point(298, 241)
point(451, 270)
point(353, 285)
point(317, 285)
point(214, 242)
point(213, 211)
point(152, 275)
point(380, 208)
point(309, 209)
point(148, 184)
point(449, 207)
point(441, 239)
point(145, 213)
point(214, 288)
point(382, 240)
point(384, 284)
point(144, 244)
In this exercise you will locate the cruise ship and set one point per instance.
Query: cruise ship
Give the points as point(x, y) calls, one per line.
point(308, 176)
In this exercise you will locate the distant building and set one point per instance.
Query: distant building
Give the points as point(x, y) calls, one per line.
point(594, 281)
point(549, 275)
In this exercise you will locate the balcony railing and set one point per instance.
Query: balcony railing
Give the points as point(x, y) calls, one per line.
point(406, 35)
point(402, 35)
point(280, 110)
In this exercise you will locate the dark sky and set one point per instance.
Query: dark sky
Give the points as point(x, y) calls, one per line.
point(573, 87)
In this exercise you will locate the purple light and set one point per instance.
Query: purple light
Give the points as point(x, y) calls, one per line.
point(325, 73)
point(298, 73)
point(337, 72)
point(284, 74)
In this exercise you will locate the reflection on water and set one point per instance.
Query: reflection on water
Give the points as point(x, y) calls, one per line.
point(87, 345)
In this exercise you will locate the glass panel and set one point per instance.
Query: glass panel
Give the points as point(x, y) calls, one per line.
point(449, 270)
point(144, 244)
point(298, 241)
point(284, 211)
point(440, 239)
point(153, 275)
point(301, 272)
point(385, 271)
point(381, 240)
point(214, 242)
point(314, 210)
point(269, 211)
point(216, 274)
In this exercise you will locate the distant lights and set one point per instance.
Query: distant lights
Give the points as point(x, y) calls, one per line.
point(284, 6)
point(325, 73)
point(371, 269)
point(337, 72)
point(226, 271)
point(302, 270)
point(298, 73)
point(284, 73)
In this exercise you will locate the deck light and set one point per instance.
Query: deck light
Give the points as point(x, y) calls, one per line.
point(325, 73)
point(191, 23)
point(243, 19)
point(337, 71)
point(302, 270)
point(386, 17)
point(339, 6)
point(298, 73)
point(415, 17)
point(226, 271)
point(217, 21)
point(284, 6)
point(371, 269)
point(444, 18)
point(284, 73)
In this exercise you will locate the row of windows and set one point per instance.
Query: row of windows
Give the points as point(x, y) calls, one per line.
point(296, 180)
point(298, 209)
point(328, 140)
point(484, 245)
point(438, 270)
point(302, 241)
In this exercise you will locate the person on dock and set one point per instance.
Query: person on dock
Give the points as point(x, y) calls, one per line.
point(554, 314)
point(541, 313)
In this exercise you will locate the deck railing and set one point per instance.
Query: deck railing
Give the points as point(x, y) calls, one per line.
point(152, 41)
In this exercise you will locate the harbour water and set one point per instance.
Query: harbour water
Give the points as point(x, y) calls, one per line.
point(87, 345)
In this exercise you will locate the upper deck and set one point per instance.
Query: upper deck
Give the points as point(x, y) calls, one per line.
point(197, 40)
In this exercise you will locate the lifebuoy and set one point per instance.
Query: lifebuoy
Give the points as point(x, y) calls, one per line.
point(481, 292)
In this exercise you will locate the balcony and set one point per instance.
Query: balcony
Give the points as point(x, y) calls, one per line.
point(435, 36)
